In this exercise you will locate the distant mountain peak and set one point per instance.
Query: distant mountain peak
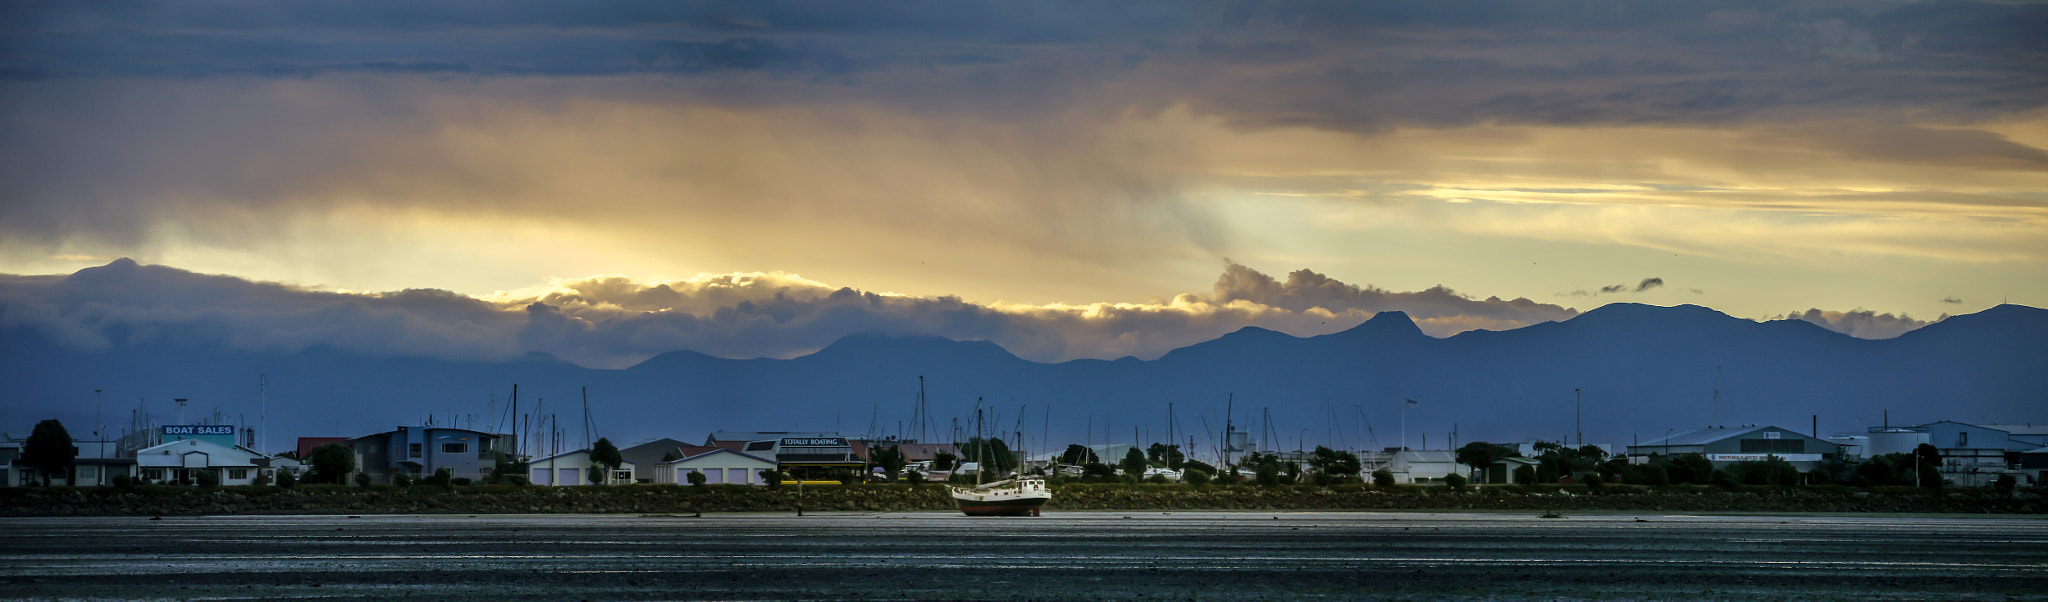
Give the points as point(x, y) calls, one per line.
point(1387, 324)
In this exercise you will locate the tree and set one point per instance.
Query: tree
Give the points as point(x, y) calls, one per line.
point(890, 459)
point(1927, 465)
point(1525, 475)
point(991, 454)
point(604, 455)
point(1771, 471)
point(1480, 454)
point(1134, 463)
point(943, 460)
point(1691, 468)
point(331, 464)
point(1164, 454)
point(1385, 478)
point(696, 477)
point(1078, 455)
point(1332, 466)
point(49, 449)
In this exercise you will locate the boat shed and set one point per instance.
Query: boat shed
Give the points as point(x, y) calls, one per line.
point(1725, 446)
point(574, 468)
point(718, 465)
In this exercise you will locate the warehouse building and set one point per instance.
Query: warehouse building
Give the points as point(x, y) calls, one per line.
point(1728, 445)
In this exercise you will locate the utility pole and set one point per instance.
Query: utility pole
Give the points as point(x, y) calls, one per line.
point(1576, 399)
point(99, 424)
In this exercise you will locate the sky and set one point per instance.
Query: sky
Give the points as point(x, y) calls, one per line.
point(608, 181)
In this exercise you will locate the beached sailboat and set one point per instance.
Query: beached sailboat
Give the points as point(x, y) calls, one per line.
point(1021, 496)
point(1008, 497)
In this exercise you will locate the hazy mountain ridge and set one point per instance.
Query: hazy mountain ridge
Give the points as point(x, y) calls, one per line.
point(1642, 370)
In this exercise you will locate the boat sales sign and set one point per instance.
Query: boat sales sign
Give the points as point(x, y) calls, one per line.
point(1762, 457)
point(221, 434)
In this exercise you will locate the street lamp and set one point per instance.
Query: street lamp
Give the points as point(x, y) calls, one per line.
point(1576, 399)
point(99, 425)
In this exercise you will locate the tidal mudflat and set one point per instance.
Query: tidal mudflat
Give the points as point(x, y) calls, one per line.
point(1062, 555)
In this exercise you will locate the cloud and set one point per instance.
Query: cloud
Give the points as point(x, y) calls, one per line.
point(1646, 284)
point(1951, 300)
point(1016, 152)
point(1860, 323)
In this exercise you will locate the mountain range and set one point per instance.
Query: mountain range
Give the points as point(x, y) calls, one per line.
point(1616, 374)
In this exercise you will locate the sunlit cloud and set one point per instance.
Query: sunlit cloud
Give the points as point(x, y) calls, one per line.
point(1056, 158)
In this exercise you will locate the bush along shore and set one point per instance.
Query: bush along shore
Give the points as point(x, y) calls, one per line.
point(685, 499)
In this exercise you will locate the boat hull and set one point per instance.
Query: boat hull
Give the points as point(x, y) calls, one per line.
point(1009, 507)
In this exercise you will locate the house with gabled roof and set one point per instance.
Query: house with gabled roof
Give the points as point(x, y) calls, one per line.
point(718, 465)
point(181, 461)
point(422, 450)
point(574, 468)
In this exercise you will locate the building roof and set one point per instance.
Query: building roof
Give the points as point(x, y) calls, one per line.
point(2028, 429)
point(745, 436)
point(650, 452)
point(1702, 436)
point(585, 451)
point(710, 451)
point(480, 434)
point(212, 450)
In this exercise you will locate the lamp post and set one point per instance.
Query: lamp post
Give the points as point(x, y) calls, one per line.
point(99, 426)
point(1576, 429)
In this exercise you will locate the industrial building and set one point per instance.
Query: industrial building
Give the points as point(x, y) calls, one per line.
point(1971, 455)
point(1727, 445)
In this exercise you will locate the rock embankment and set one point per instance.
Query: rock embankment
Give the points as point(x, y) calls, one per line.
point(669, 499)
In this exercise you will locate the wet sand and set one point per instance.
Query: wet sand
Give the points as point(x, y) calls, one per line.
point(1074, 555)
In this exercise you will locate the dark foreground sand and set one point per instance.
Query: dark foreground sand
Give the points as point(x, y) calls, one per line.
point(1075, 555)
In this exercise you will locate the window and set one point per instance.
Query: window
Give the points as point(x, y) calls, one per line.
point(152, 474)
point(413, 450)
point(454, 448)
point(1773, 446)
point(88, 472)
point(1963, 439)
point(238, 474)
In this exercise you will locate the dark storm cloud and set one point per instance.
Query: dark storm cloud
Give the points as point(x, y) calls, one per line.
point(1646, 284)
point(1340, 65)
point(1304, 290)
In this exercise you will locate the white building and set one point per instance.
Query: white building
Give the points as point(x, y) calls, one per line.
point(718, 465)
point(1424, 466)
point(180, 462)
point(574, 468)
